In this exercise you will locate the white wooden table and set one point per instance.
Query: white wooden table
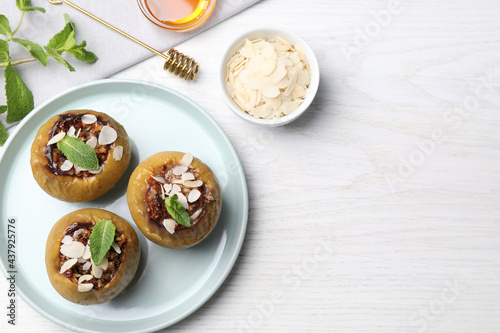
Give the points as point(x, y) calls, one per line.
point(379, 209)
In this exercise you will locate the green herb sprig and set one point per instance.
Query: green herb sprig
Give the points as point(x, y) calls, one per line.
point(177, 211)
point(79, 153)
point(19, 97)
point(101, 238)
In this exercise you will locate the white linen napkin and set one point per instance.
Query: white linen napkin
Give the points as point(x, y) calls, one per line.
point(115, 52)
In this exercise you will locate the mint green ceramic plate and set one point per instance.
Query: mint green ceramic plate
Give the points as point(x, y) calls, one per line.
point(170, 284)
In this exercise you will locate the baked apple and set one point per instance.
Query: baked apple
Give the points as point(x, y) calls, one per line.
point(65, 180)
point(168, 180)
point(70, 265)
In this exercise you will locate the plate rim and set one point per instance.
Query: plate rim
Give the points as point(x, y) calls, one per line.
point(241, 236)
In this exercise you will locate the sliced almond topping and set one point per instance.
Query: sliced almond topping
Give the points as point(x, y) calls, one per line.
point(95, 172)
point(89, 119)
point(96, 271)
point(56, 138)
point(82, 260)
point(87, 266)
point(71, 131)
point(118, 153)
point(183, 200)
point(116, 248)
point(84, 278)
point(67, 265)
point(177, 181)
point(86, 254)
point(77, 233)
point(159, 179)
point(186, 159)
point(170, 225)
point(67, 239)
point(163, 193)
point(167, 188)
point(92, 142)
point(175, 189)
point(195, 215)
point(85, 287)
point(67, 165)
point(187, 176)
point(108, 135)
point(194, 195)
point(73, 250)
point(78, 133)
point(179, 170)
point(193, 183)
point(104, 264)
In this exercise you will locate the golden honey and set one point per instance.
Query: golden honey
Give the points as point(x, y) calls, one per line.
point(177, 15)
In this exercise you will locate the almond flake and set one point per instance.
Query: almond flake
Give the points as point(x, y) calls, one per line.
point(175, 189)
point(85, 287)
point(194, 195)
point(78, 232)
point(56, 138)
point(107, 136)
point(71, 131)
point(116, 248)
point(187, 176)
point(104, 264)
point(179, 170)
point(96, 271)
point(177, 181)
point(89, 119)
point(186, 159)
point(159, 179)
point(82, 260)
point(67, 239)
point(193, 183)
point(67, 165)
point(84, 278)
point(92, 142)
point(167, 188)
point(195, 215)
point(87, 266)
point(170, 225)
point(118, 153)
point(183, 200)
point(73, 250)
point(95, 172)
point(78, 133)
point(86, 254)
point(67, 265)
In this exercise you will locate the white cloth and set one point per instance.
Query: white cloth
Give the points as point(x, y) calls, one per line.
point(115, 52)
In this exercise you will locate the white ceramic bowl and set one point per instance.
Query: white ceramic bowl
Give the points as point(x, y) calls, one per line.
point(270, 33)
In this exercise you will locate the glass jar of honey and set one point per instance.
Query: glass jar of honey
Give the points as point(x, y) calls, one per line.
point(177, 15)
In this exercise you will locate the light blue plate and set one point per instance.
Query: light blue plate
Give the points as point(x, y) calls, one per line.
point(170, 284)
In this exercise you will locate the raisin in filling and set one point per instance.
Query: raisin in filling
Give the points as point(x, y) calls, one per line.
point(56, 158)
point(83, 230)
point(155, 203)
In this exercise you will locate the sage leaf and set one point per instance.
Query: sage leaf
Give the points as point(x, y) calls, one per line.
point(34, 49)
point(3, 134)
point(5, 27)
point(4, 52)
point(19, 97)
point(54, 54)
point(25, 6)
point(3, 108)
point(177, 211)
point(78, 152)
point(101, 238)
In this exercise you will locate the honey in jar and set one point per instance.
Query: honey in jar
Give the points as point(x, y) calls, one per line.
point(177, 14)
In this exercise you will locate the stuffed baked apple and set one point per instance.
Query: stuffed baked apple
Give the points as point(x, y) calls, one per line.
point(79, 155)
point(174, 199)
point(91, 256)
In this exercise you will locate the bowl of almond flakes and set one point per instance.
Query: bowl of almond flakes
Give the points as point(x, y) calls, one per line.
point(269, 76)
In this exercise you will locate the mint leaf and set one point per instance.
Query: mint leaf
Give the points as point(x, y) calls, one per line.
point(19, 97)
point(78, 152)
point(79, 52)
point(5, 27)
point(3, 134)
point(34, 49)
point(177, 211)
point(64, 38)
point(101, 238)
point(54, 54)
point(4, 52)
point(25, 6)
point(3, 108)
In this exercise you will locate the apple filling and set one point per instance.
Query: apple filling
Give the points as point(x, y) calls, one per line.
point(75, 260)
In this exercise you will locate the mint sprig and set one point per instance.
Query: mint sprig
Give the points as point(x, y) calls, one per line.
point(177, 211)
point(101, 238)
point(78, 152)
point(19, 98)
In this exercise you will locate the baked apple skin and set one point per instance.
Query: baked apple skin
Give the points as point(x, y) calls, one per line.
point(158, 234)
point(78, 189)
point(129, 259)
